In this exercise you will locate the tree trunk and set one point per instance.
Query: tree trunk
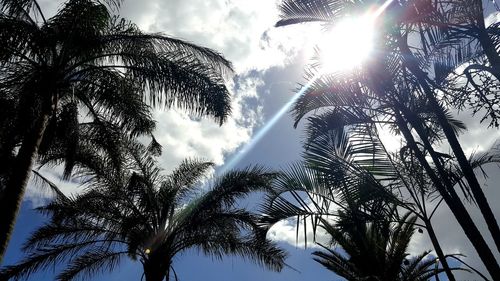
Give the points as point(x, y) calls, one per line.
point(156, 271)
point(439, 250)
point(491, 53)
point(16, 184)
point(456, 206)
point(463, 162)
point(471, 178)
point(487, 43)
point(154, 275)
point(421, 132)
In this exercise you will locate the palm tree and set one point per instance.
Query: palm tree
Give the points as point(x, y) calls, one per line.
point(463, 25)
point(374, 250)
point(345, 108)
point(138, 212)
point(338, 185)
point(461, 38)
point(342, 166)
point(81, 53)
point(464, 40)
point(393, 89)
point(473, 16)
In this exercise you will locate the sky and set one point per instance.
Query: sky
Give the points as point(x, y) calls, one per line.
point(269, 63)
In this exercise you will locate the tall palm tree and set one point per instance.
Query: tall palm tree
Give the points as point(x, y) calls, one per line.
point(343, 167)
point(394, 87)
point(138, 212)
point(468, 42)
point(404, 180)
point(337, 191)
point(345, 108)
point(80, 53)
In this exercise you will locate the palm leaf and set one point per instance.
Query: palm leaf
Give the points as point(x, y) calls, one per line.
point(301, 11)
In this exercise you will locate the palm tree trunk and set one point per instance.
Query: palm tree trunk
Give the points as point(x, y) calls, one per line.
point(487, 43)
point(463, 162)
point(16, 184)
point(438, 249)
point(490, 52)
point(156, 271)
point(455, 204)
point(154, 275)
point(420, 131)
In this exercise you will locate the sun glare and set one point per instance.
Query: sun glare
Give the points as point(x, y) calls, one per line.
point(347, 44)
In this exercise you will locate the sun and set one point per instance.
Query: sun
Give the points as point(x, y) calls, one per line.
point(347, 45)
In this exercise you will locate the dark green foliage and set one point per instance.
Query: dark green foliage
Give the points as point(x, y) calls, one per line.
point(135, 210)
point(374, 250)
point(334, 194)
point(86, 58)
point(398, 88)
point(86, 65)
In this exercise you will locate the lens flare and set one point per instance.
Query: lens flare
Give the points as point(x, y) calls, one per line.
point(263, 131)
point(366, 26)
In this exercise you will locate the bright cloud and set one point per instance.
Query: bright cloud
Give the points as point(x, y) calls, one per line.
point(182, 136)
point(240, 29)
point(286, 231)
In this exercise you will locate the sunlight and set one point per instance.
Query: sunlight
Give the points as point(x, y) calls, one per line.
point(347, 45)
point(361, 38)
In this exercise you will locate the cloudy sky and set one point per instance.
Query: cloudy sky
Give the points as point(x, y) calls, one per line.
point(269, 62)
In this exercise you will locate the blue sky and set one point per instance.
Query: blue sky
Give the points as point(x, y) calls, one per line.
point(189, 265)
point(269, 63)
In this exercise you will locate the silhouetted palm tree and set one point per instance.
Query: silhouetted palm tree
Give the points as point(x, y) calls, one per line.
point(374, 250)
point(392, 88)
point(337, 192)
point(140, 213)
point(341, 168)
point(465, 36)
point(82, 55)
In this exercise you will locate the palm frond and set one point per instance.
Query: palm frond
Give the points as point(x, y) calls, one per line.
point(184, 178)
point(134, 209)
point(46, 184)
point(301, 11)
point(477, 161)
point(337, 263)
point(99, 259)
point(328, 91)
point(236, 185)
point(357, 151)
point(43, 258)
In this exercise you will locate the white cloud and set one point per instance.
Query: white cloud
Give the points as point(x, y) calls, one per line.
point(478, 136)
point(182, 136)
point(244, 32)
point(240, 29)
point(287, 231)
